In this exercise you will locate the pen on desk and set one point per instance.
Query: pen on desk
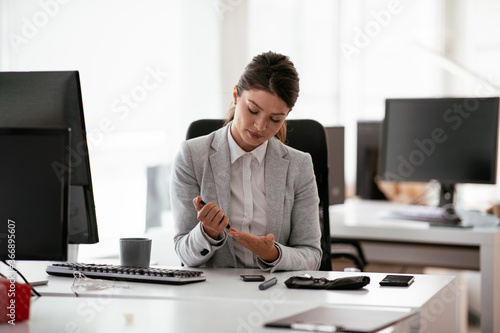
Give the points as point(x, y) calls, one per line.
point(204, 203)
point(268, 284)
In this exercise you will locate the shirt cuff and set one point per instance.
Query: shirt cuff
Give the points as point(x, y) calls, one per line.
point(214, 242)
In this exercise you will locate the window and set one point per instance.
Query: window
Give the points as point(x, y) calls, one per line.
point(147, 70)
point(150, 68)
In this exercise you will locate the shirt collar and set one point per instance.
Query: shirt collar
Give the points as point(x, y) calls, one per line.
point(236, 151)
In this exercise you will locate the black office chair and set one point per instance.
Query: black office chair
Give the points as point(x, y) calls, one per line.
point(308, 136)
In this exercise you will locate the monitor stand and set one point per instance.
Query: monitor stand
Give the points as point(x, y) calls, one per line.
point(447, 202)
point(444, 215)
point(72, 253)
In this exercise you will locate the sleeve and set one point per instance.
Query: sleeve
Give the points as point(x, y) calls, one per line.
point(269, 266)
point(192, 245)
point(302, 249)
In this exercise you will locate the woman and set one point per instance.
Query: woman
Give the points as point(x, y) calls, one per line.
point(249, 179)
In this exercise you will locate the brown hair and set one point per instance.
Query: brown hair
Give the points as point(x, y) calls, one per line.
point(274, 73)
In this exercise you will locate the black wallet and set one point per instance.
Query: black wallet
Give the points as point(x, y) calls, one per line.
point(344, 283)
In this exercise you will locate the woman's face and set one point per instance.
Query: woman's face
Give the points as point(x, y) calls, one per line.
point(257, 118)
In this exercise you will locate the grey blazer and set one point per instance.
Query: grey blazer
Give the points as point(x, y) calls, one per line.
point(202, 167)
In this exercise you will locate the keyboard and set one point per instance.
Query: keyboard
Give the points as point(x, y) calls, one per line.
point(131, 274)
point(431, 214)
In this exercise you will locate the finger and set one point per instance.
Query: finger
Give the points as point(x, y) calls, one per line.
point(241, 234)
point(233, 232)
point(224, 221)
point(219, 222)
point(268, 240)
point(213, 215)
point(206, 214)
point(197, 203)
point(219, 216)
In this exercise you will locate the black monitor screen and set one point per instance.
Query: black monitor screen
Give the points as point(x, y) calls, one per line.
point(336, 174)
point(53, 100)
point(367, 157)
point(452, 140)
point(34, 185)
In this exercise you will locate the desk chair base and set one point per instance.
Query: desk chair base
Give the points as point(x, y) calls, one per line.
point(358, 259)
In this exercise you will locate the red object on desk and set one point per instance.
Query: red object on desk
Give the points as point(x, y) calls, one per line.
point(14, 301)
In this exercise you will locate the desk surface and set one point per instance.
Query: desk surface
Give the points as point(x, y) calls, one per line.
point(223, 292)
point(360, 218)
point(412, 242)
point(105, 315)
point(226, 284)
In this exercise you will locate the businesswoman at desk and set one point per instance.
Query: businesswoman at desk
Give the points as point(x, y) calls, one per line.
point(249, 179)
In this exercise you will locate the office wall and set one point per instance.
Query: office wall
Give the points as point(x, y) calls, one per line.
point(149, 68)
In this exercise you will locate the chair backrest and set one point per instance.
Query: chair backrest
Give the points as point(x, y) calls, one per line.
point(203, 127)
point(308, 136)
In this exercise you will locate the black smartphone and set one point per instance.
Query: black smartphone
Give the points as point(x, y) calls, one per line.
point(252, 277)
point(397, 280)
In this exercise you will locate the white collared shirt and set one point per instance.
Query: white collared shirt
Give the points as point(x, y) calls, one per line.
point(248, 196)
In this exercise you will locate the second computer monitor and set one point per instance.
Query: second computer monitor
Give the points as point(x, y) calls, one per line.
point(369, 133)
point(336, 174)
point(451, 140)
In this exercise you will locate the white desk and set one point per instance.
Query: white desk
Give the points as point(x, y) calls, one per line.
point(406, 242)
point(434, 297)
point(107, 315)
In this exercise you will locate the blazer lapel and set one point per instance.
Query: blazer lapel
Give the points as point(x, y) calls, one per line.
point(221, 168)
point(220, 162)
point(275, 180)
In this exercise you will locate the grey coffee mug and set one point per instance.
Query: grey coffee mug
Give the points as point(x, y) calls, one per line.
point(135, 252)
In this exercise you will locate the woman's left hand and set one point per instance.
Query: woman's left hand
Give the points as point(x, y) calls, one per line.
point(263, 246)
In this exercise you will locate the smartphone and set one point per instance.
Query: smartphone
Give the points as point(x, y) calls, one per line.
point(252, 277)
point(397, 280)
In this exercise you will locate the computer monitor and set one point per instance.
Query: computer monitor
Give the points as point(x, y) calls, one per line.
point(34, 194)
point(450, 140)
point(369, 133)
point(336, 174)
point(53, 99)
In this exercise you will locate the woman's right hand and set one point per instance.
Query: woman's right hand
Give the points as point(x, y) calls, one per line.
point(213, 219)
